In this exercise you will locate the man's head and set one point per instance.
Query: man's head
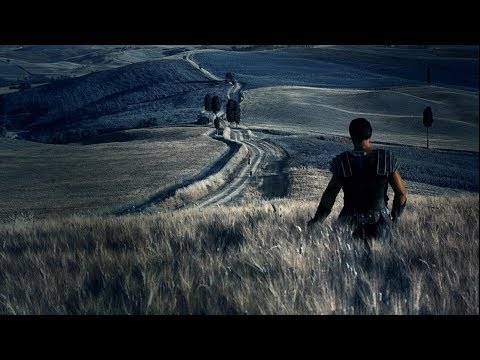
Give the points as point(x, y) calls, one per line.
point(360, 129)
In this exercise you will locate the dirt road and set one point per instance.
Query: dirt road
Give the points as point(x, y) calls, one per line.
point(264, 171)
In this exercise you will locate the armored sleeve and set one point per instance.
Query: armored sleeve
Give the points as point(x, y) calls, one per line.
point(386, 162)
point(334, 166)
point(340, 165)
point(395, 165)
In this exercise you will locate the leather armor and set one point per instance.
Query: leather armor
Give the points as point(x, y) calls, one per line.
point(365, 180)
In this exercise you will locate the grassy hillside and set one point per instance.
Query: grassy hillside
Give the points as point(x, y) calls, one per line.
point(42, 180)
point(242, 260)
point(448, 169)
point(75, 60)
point(170, 91)
point(348, 66)
point(450, 65)
point(395, 114)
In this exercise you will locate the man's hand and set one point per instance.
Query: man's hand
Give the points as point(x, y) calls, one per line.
point(397, 210)
point(400, 199)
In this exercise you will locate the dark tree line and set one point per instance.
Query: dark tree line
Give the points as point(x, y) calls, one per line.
point(214, 104)
point(233, 111)
point(207, 102)
point(230, 77)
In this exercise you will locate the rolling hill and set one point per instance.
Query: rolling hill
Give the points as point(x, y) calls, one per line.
point(364, 67)
point(171, 91)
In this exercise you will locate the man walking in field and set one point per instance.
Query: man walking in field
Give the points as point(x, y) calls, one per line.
point(364, 175)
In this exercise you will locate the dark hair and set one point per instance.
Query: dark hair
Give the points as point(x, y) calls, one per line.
point(360, 129)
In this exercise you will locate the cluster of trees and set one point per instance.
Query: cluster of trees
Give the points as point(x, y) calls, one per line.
point(230, 77)
point(233, 111)
point(214, 104)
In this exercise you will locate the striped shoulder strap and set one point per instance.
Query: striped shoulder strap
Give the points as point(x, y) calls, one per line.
point(345, 164)
point(384, 162)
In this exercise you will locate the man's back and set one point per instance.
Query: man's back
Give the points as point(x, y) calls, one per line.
point(365, 178)
point(364, 175)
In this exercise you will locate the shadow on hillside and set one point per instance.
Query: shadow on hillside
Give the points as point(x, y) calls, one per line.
point(275, 186)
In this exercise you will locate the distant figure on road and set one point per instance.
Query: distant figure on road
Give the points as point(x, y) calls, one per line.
point(364, 175)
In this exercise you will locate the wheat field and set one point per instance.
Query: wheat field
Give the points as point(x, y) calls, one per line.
point(127, 167)
point(255, 259)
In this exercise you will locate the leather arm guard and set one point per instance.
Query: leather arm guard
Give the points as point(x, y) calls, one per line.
point(397, 210)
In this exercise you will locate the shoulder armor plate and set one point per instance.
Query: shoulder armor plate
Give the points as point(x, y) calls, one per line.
point(384, 162)
point(345, 164)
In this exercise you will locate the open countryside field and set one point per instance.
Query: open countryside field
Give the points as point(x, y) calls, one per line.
point(395, 114)
point(349, 66)
point(75, 60)
point(169, 91)
point(57, 180)
point(168, 220)
point(446, 169)
point(242, 261)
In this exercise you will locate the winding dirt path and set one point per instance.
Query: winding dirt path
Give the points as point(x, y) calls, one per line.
point(263, 171)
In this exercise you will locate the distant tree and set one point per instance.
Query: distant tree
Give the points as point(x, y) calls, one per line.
point(202, 119)
point(216, 122)
point(216, 104)
point(229, 76)
point(237, 113)
point(207, 102)
point(427, 119)
point(230, 110)
point(241, 96)
point(429, 78)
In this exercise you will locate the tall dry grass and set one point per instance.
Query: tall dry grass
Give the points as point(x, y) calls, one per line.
point(255, 259)
point(127, 168)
